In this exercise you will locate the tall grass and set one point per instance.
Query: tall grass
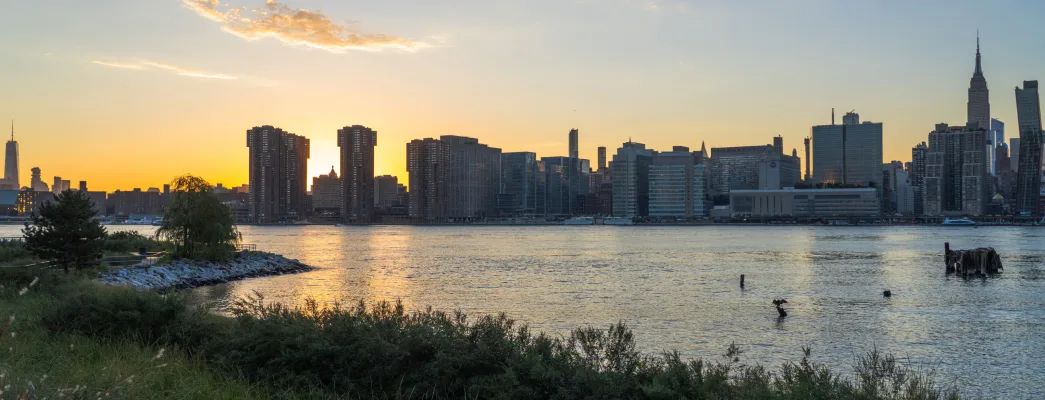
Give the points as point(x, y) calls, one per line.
point(37, 362)
point(381, 351)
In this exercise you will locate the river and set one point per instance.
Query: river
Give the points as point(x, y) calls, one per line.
point(678, 288)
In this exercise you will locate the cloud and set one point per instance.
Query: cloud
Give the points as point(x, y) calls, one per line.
point(114, 64)
point(299, 27)
point(152, 65)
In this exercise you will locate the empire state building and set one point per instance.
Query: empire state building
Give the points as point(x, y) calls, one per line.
point(979, 100)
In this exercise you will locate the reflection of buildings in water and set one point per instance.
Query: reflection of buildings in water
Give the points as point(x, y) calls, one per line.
point(388, 277)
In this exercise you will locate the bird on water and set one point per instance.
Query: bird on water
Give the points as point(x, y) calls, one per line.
point(778, 303)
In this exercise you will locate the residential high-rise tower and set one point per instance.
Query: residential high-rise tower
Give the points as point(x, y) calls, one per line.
point(428, 164)
point(956, 176)
point(278, 163)
point(574, 143)
point(602, 159)
point(475, 176)
point(357, 173)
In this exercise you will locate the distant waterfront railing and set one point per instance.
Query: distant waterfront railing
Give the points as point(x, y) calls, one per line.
point(246, 247)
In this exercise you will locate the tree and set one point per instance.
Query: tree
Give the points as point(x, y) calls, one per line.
point(196, 221)
point(66, 232)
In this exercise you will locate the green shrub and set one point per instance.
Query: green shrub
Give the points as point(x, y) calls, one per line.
point(384, 352)
point(13, 252)
point(125, 313)
point(130, 241)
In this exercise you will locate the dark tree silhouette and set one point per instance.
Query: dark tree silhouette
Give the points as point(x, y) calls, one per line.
point(66, 232)
point(196, 221)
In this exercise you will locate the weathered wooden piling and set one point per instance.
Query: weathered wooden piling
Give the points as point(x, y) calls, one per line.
point(982, 261)
point(741, 281)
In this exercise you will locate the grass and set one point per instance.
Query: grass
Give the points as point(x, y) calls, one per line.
point(38, 363)
point(80, 334)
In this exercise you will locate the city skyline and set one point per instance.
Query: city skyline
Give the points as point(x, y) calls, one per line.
point(694, 72)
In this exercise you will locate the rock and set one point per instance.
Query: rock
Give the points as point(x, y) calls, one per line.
point(187, 274)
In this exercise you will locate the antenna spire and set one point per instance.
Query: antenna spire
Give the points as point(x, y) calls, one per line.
point(12, 130)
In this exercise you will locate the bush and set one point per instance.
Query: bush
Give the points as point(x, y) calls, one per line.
point(125, 313)
point(383, 352)
point(130, 241)
point(13, 252)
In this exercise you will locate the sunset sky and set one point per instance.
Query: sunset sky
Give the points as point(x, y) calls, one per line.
point(130, 93)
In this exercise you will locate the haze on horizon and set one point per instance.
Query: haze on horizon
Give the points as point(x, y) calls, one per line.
point(133, 93)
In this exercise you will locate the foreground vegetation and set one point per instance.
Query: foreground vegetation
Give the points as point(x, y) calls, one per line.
point(72, 333)
point(14, 252)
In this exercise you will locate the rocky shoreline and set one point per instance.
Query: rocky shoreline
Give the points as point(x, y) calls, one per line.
point(187, 274)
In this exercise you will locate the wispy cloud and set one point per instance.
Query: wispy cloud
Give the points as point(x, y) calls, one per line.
point(152, 65)
point(114, 64)
point(295, 27)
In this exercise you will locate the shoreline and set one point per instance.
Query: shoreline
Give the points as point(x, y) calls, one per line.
point(189, 274)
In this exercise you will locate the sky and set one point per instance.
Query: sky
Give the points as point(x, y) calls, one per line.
point(131, 93)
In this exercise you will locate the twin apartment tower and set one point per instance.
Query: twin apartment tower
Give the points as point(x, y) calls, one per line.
point(279, 174)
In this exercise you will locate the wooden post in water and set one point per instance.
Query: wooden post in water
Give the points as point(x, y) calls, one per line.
point(741, 281)
point(947, 257)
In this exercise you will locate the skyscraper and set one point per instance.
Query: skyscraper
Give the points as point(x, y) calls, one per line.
point(278, 167)
point(956, 177)
point(676, 185)
point(574, 143)
point(631, 180)
point(979, 106)
point(56, 187)
point(1014, 154)
point(475, 176)
point(919, 157)
point(11, 163)
point(1028, 177)
point(519, 183)
point(428, 164)
point(778, 144)
point(36, 183)
point(996, 139)
point(602, 159)
point(809, 168)
point(850, 153)
point(357, 173)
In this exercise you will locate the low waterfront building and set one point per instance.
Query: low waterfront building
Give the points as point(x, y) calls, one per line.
point(806, 203)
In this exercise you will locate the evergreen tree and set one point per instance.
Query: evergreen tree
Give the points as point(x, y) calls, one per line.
point(196, 221)
point(65, 231)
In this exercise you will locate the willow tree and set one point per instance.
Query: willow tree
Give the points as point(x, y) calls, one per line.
point(196, 222)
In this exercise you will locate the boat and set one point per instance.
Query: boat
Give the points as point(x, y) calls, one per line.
point(579, 221)
point(618, 221)
point(959, 222)
point(157, 222)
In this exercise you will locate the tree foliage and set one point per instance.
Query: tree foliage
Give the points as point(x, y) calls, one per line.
point(196, 221)
point(66, 232)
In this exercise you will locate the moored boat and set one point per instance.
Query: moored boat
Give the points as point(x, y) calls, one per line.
point(959, 222)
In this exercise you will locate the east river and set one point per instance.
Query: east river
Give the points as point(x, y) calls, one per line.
point(678, 288)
